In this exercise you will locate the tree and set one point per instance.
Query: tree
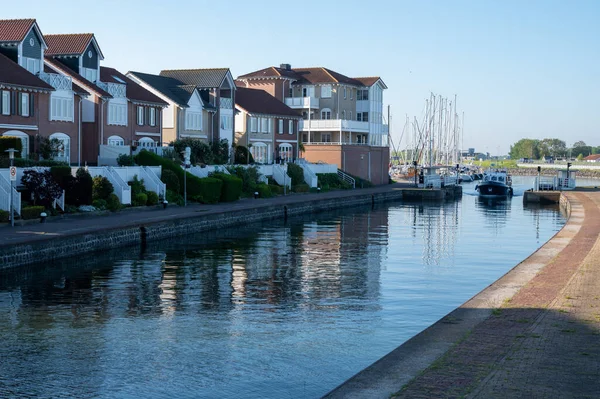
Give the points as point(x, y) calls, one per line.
point(49, 148)
point(579, 143)
point(42, 186)
point(553, 147)
point(525, 148)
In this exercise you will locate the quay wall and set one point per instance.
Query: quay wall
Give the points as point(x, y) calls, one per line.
point(65, 246)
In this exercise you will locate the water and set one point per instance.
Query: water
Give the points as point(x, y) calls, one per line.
point(264, 311)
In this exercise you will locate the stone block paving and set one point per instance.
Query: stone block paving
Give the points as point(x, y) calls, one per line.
point(543, 343)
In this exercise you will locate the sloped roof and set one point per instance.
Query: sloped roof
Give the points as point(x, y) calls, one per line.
point(76, 88)
point(592, 157)
point(14, 30)
point(370, 81)
point(270, 72)
point(57, 65)
point(133, 90)
point(15, 75)
point(203, 78)
point(256, 101)
point(68, 44)
point(303, 75)
point(173, 89)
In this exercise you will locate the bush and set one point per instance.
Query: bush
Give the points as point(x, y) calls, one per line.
point(7, 142)
point(100, 204)
point(174, 197)
point(112, 203)
point(101, 188)
point(264, 191)
point(301, 188)
point(171, 180)
point(4, 216)
point(232, 187)
point(209, 190)
point(152, 198)
point(62, 175)
point(137, 186)
point(42, 186)
point(296, 173)
point(242, 156)
point(32, 212)
point(201, 152)
point(140, 200)
point(79, 191)
point(125, 160)
point(250, 177)
point(276, 189)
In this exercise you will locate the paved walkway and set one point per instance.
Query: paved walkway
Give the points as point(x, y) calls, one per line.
point(82, 224)
point(535, 333)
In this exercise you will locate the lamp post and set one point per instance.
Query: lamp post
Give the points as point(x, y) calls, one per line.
point(11, 155)
point(186, 164)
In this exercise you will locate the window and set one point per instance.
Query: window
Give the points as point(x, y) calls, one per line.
point(32, 65)
point(265, 125)
point(350, 117)
point(291, 92)
point(362, 95)
point(146, 142)
point(61, 108)
point(326, 137)
point(291, 127)
point(225, 122)
point(5, 102)
point(344, 92)
point(140, 116)
point(325, 113)
point(365, 116)
point(359, 116)
point(24, 104)
point(116, 140)
point(117, 114)
point(280, 130)
point(344, 114)
point(285, 152)
point(260, 152)
point(308, 91)
point(253, 124)
point(193, 120)
point(64, 150)
point(326, 91)
point(152, 116)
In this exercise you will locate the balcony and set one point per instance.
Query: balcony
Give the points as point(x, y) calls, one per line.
point(116, 90)
point(59, 82)
point(226, 103)
point(302, 102)
point(335, 125)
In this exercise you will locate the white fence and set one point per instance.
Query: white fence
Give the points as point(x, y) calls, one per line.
point(281, 177)
point(121, 188)
point(5, 189)
point(208, 169)
point(149, 174)
point(310, 177)
point(323, 168)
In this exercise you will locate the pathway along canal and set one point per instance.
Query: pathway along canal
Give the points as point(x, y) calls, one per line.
point(264, 311)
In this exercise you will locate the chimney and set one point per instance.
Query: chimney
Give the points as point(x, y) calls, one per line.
point(287, 67)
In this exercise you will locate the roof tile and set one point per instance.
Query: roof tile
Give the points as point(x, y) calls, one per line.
point(257, 101)
point(14, 30)
point(133, 90)
point(15, 75)
point(202, 78)
point(68, 44)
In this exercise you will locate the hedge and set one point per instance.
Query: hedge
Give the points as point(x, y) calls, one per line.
point(62, 175)
point(276, 189)
point(7, 142)
point(171, 180)
point(263, 190)
point(32, 212)
point(140, 199)
point(4, 216)
point(232, 187)
point(206, 190)
point(152, 198)
point(301, 188)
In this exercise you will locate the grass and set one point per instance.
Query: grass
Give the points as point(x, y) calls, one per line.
point(496, 312)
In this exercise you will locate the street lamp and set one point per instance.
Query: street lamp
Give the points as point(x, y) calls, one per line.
point(11, 155)
point(186, 164)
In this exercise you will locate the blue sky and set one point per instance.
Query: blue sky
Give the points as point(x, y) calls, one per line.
point(520, 68)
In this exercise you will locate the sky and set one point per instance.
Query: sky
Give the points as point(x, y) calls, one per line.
point(519, 69)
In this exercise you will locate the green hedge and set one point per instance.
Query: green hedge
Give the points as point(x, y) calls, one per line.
point(4, 216)
point(332, 180)
point(112, 203)
point(276, 189)
point(171, 180)
point(296, 173)
point(263, 190)
point(140, 199)
point(301, 188)
point(32, 212)
point(209, 190)
point(7, 142)
point(232, 187)
point(152, 198)
point(62, 175)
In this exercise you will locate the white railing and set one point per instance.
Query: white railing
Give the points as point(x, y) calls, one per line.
point(226, 103)
point(323, 167)
point(59, 82)
point(5, 188)
point(114, 89)
point(450, 180)
point(208, 169)
point(432, 181)
point(347, 178)
point(544, 183)
point(566, 183)
point(121, 188)
point(326, 125)
point(59, 202)
point(281, 177)
point(302, 102)
point(310, 177)
point(154, 183)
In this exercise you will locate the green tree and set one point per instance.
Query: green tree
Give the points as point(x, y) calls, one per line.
point(553, 147)
point(525, 148)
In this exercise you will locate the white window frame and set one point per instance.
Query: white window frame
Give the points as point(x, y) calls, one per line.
point(343, 114)
point(286, 152)
point(326, 114)
point(326, 137)
point(25, 104)
point(115, 141)
point(152, 116)
point(261, 153)
point(64, 152)
point(225, 122)
point(5, 102)
point(32, 65)
point(264, 125)
point(253, 124)
point(146, 142)
point(280, 126)
point(61, 108)
point(326, 91)
point(140, 115)
point(193, 120)
point(291, 127)
point(344, 92)
point(117, 113)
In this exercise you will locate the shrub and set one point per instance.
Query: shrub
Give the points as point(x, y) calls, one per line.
point(101, 188)
point(100, 204)
point(48, 148)
point(4, 216)
point(242, 156)
point(140, 200)
point(200, 151)
point(42, 186)
point(264, 191)
point(137, 186)
point(296, 173)
point(125, 160)
point(171, 180)
point(152, 198)
point(112, 203)
point(7, 142)
point(276, 189)
point(232, 187)
point(209, 190)
point(301, 188)
point(80, 193)
point(62, 175)
point(250, 177)
point(32, 212)
point(174, 197)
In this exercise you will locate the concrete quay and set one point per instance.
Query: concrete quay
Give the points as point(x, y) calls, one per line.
point(534, 333)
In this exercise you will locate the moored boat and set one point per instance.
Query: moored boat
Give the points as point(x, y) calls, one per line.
point(496, 183)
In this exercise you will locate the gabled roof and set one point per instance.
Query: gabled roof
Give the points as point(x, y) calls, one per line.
point(592, 157)
point(134, 91)
point(173, 89)
point(71, 44)
point(86, 84)
point(14, 30)
point(255, 101)
point(270, 72)
point(14, 75)
point(302, 75)
point(371, 80)
point(75, 87)
point(202, 78)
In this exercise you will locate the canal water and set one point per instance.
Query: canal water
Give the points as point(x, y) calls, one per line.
point(280, 310)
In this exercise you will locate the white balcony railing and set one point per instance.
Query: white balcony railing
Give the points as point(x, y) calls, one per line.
point(59, 82)
point(302, 102)
point(328, 125)
point(116, 90)
point(226, 103)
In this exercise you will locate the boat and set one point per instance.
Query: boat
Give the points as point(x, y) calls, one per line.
point(465, 178)
point(495, 183)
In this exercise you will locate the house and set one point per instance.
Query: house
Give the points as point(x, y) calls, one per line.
point(266, 126)
point(592, 158)
point(118, 116)
point(342, 116)
point(36, 103)
point(200, 102)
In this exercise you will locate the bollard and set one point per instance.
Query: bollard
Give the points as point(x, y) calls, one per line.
point(318, 189)
point(43, 216)
point(255, 194)
point(165, 203)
